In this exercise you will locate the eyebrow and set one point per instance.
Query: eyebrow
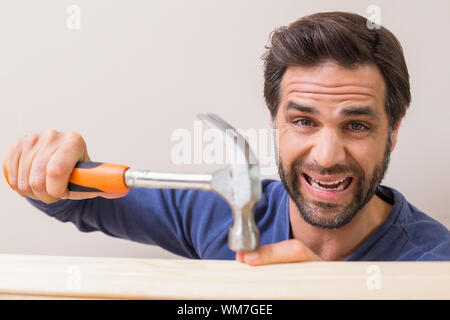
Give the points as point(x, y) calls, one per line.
point(306, 109)
point(350, 111)
point(360, 111)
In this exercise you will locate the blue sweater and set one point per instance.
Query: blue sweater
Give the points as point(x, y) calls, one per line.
point(194, 223)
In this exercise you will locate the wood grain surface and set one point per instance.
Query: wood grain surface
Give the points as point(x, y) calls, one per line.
point(37, 277)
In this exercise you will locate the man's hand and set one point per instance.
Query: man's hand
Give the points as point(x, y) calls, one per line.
point(292, 250)
point(39, 166)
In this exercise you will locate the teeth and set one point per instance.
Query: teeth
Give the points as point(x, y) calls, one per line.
point(315, 184)
point(330, 183)
point(341, 185)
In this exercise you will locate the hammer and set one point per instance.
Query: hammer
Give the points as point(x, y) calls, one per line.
point(238, 183)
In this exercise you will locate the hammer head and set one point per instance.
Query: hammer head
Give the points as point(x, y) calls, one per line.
point(238, 183)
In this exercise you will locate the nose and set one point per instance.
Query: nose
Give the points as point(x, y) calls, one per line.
point(328, 149)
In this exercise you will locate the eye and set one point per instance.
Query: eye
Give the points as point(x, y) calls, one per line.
point(358, 126)
point(304, 122)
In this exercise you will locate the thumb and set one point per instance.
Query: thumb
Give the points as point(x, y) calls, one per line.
point(287, 251)
point(76, 195)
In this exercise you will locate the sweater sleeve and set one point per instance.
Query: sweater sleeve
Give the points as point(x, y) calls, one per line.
point(184, 222)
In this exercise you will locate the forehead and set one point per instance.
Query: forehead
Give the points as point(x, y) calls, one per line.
point(333, 85)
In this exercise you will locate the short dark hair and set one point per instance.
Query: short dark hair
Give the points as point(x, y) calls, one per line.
point(346, 39)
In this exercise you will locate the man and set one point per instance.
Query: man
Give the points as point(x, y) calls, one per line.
point(337, 92)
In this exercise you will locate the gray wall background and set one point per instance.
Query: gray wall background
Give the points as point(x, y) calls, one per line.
point(138, 70)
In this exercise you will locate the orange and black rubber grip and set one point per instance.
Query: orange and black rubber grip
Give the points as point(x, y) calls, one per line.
point(98, 177)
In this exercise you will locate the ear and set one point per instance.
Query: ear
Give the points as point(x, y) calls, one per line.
point(395, 133)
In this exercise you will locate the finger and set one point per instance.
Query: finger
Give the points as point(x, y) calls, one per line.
point(287, 251)
point(28, 153)
point(114, 195)
point(58, 171)
point(38, 174)
point(240, 257)
point(75, 195)
point(60, 167)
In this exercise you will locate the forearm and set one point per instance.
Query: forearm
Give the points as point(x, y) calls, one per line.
point(144, 215)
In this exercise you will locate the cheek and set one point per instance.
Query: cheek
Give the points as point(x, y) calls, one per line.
point(290, 147)
point(367, 155)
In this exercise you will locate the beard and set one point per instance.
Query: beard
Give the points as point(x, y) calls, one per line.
point(331, 215)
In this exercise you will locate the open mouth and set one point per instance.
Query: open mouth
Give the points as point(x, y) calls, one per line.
point(338, 185)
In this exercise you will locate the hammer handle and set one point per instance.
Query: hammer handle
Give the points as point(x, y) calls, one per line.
point(107, 177)
point(98, 177)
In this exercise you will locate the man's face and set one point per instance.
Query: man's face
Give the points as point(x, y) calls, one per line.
point(334, 140)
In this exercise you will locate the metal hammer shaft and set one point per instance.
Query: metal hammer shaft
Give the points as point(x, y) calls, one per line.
point(151, 179)
point(108, 177)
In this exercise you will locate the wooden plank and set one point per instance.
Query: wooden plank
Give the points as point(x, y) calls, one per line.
point(122, 278)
